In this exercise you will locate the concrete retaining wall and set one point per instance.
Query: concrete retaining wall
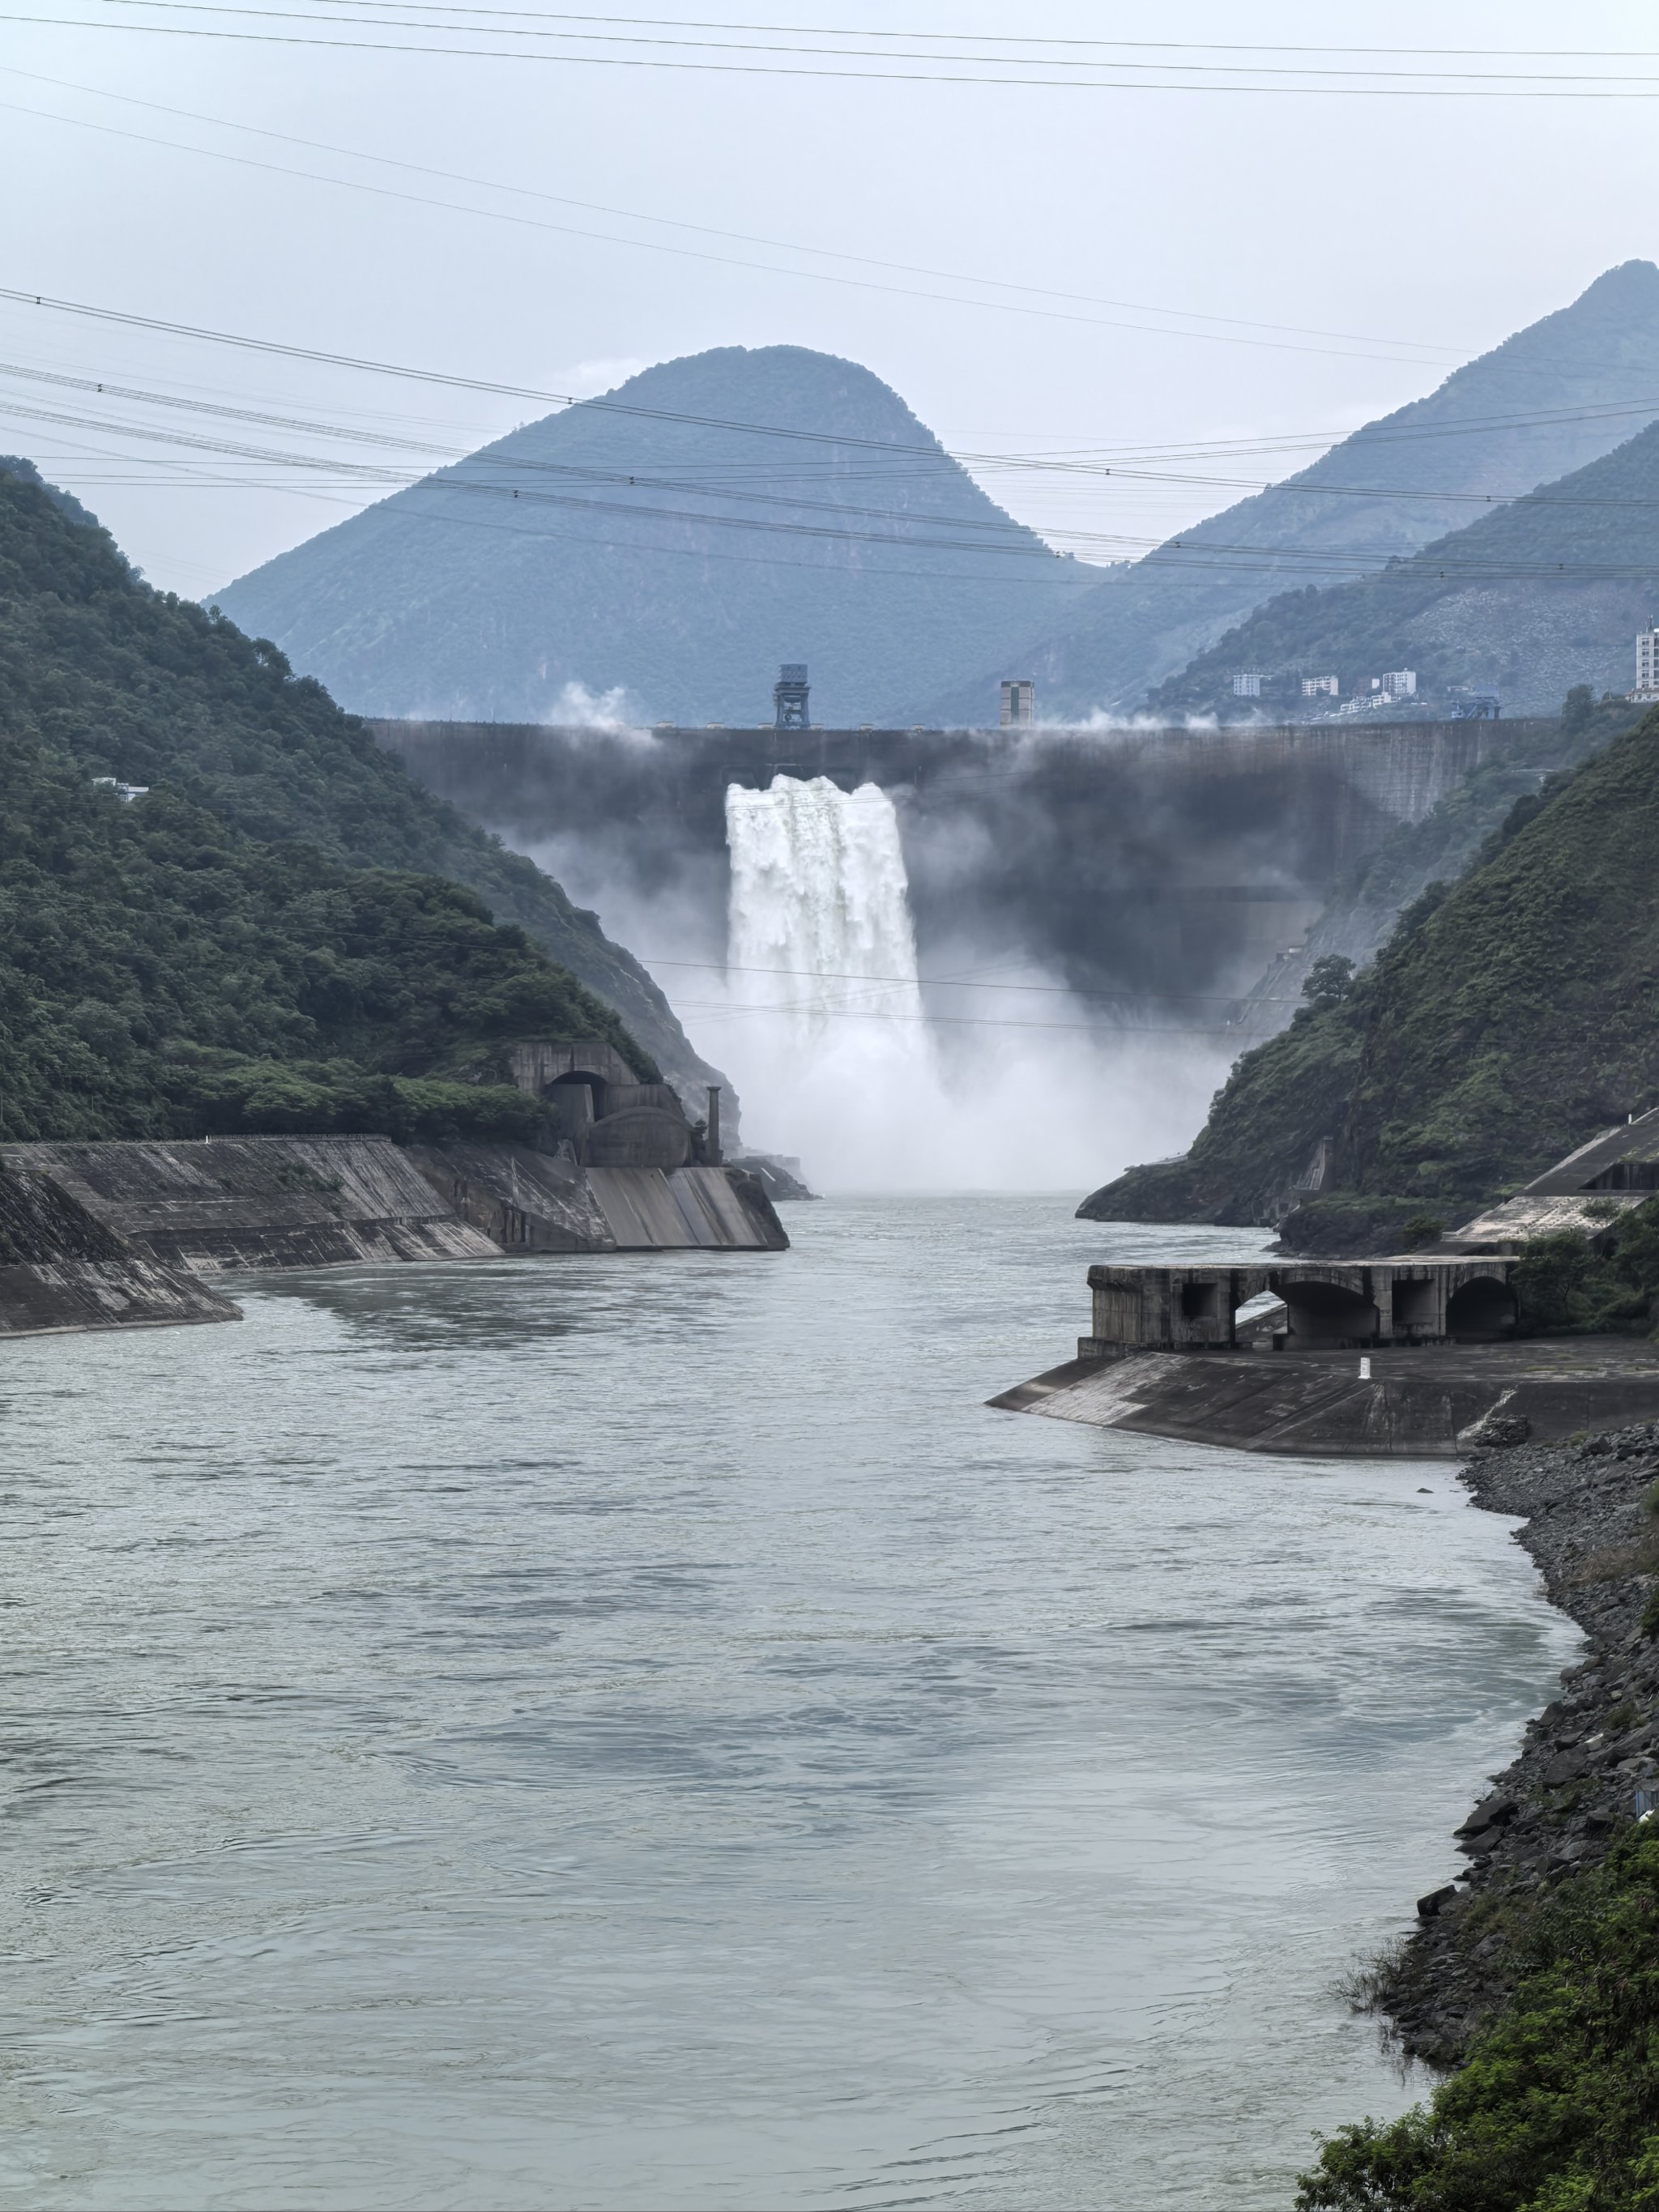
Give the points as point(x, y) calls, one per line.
point(260, 1201)
point(61, 1268)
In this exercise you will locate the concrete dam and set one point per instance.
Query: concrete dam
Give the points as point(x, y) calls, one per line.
point(1147, 865)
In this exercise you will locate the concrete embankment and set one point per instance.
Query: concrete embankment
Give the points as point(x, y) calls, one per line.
point(198, 1207)
point(259, 1201)
point(1429, 1401)
point(529, 1201)
point(62, 1269)
point(1550, 1815)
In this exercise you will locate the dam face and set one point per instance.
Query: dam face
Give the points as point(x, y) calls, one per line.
point(1156, 864)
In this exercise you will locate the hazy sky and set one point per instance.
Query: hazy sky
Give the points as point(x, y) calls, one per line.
point(1418, 229)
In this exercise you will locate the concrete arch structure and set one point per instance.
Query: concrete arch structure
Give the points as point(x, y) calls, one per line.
point(1323, 1315)
point(1482, 1310)
point(1327, 1305)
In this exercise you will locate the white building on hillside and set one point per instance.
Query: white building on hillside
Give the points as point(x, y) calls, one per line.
point(1018, 708)
point(1647, 665)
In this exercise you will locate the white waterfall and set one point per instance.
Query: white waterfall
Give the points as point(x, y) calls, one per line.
point(822, 1024)
point(820, 917)
point(828, 1040)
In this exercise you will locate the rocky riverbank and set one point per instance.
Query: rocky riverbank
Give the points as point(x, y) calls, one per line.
point(1592, 1528)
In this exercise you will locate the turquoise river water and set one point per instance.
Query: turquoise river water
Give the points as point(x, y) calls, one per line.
point(637, 1732)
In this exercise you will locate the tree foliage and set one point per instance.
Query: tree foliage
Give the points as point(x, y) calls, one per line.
point(1513, 1015)
point(1557, 2108)
point(129, 682)
point(1567, 1283)
point(190, 961)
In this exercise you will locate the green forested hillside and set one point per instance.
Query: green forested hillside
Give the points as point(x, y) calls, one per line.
point(117, 679)
point(204, 956)
point(1511, 1017)
point(1533, 598)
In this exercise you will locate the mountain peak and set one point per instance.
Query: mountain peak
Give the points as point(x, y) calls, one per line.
point(673, 540)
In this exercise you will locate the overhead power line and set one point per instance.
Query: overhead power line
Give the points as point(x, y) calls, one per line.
point(715, 486)
point(972, 983)
point(504, 23)
point(1403, 351)
point(1129, 45)
point(886, 448)
point(1470, 85)
point(997, 535)
point(715, 1009)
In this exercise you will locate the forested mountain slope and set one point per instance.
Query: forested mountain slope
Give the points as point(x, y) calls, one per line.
point(262, 939)
point(660, 542)
point(1543, 404)
point(109, 678)
point(1532, 598)
point(1510, 1019)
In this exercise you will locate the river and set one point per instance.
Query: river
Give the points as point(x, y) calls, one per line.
point(623, 1732)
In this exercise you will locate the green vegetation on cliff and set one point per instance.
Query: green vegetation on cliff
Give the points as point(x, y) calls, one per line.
point(1556, 2106)
point(205, 958)
point(1510, 1017)
point(126, 680)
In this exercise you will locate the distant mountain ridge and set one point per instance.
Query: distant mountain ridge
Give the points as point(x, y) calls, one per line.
point(1532, 600)
point(658, 543)
point(1512, 420)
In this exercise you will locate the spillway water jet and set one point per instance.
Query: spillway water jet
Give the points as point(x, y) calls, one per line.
point(831, 1029)
point(820, 929)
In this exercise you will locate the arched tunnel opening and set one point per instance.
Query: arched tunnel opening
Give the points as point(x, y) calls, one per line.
point(577, 1100)
point(1326, 1315)
point(1481, 1311)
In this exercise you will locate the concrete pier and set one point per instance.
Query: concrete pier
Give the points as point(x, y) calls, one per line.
point(1326, 1305)
point(1415, 1356)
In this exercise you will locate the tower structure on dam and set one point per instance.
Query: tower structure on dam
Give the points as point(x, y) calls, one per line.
point(789, 695)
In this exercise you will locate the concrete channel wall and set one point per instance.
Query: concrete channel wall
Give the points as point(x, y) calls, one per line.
point(207, 1205)
point(193, 1208)
point(62, 1269)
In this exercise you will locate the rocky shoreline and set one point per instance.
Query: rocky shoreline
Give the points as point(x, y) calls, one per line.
point(1592, 1526)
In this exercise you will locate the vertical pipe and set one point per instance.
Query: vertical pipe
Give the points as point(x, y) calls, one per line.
point(711, 1143)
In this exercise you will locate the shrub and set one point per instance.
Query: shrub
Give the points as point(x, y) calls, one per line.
point(1556, 2107)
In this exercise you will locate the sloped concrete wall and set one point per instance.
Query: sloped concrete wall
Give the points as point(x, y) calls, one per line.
point(522, 1201)
point(196, 1208)
point(260, 1201)
point(61, 1269)
point(702, 1209)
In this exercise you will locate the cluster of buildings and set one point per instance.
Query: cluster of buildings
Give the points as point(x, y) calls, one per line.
point(1398, 684)
point(1375, 693)
point(1017, 704)
point(1386, 690)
